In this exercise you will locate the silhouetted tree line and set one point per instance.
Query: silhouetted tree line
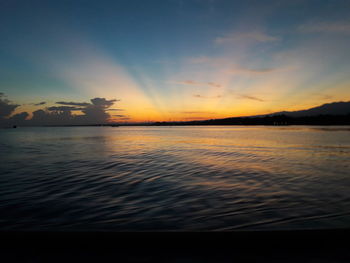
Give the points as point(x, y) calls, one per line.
point(270, 120)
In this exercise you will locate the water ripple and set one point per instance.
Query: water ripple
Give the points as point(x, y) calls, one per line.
point(179, 178)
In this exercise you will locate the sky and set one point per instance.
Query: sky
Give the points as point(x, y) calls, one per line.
point(170, 60)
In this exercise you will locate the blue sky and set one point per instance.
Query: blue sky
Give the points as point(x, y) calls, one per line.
point(176, 60)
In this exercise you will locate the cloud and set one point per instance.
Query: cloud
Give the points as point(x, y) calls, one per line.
point(40, 103)
point(232, 68)
point(250, 97)
point(96, 111)
point(124, 118)
point(119, 115)
point(6, 107)
point(41, 117)
point(93, 113)
point(116, 110)
point(325, 27)
point(19, 118)
point(207, 60)
point(195, 118)
point(73, 103)
point(254, 36)
point(196, 83)
point(245, 96)
point(327, 97)
point(206, 97)
point(198, 60)
point(321, 96)
point(251, 71)
point(64, 108)
point(237, 70)
point(212, 84)
point(102, 102)
point(193, 112)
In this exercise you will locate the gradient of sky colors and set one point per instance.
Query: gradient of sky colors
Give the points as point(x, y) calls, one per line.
point(176, 59)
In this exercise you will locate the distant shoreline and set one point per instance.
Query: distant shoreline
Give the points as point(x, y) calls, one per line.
point(277, 120)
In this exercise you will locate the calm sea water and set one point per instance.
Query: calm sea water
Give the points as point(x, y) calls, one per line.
point(174, 178)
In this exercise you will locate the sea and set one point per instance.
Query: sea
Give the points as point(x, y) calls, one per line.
point(174, 178)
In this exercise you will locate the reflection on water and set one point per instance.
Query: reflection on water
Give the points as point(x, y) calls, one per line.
point(174, 178)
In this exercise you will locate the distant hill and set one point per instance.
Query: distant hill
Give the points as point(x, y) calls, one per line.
point(334, 108)
point(336, 113)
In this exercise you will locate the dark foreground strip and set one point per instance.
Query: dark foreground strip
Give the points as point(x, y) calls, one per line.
point(245, 246)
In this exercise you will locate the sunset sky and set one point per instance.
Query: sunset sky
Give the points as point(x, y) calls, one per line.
point(172, 59)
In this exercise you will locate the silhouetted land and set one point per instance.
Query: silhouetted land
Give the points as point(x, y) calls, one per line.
point(276, 120)
point(336, 113)
point(270, 120)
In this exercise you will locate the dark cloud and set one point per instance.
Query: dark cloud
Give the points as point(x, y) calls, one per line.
point(116, 110)
point(19, 117)
point(73, 103)
point(119, 115)
point(41, 117)
point(93, 113)
point(102, 102)
point(64, 108)
point(40, 103)
point(6, 107)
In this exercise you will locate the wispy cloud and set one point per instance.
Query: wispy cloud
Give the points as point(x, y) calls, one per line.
point(256, 71)
point(251, 71)
point(116, 110)
point(231, 67)
point(193, 112)
point(196, 83)
point(245, 96)
point(213, 61)
point(321, 96)
point(325, 27)
point(125, 119)
point(254, 36)
point(250, 97)
point(206, 97)
point(327, 97)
